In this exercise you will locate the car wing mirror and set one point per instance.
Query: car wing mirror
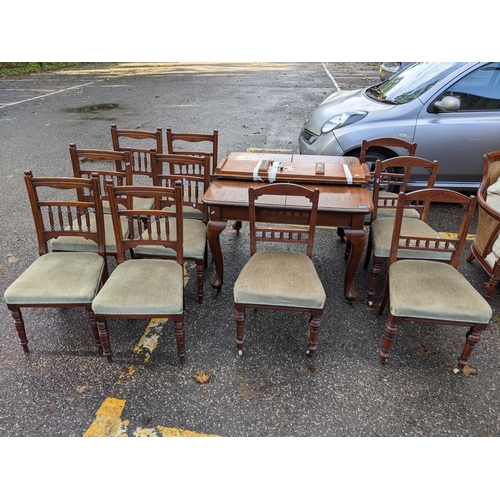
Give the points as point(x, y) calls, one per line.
point(448, 103)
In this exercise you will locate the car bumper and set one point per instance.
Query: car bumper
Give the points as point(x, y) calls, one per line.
point(324, 144)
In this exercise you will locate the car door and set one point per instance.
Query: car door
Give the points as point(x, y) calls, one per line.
point(459, 139)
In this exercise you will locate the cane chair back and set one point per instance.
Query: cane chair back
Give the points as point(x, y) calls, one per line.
point(428, 290)
point(62, 280)
point(486, 245)
point(394, 173)
point(283, 279)
point(186, 143)
point(139, 143)
point(145, 288)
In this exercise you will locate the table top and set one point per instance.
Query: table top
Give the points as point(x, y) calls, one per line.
point(332, 198)
point(269, 167)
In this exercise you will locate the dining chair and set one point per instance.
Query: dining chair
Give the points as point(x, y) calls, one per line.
point(393, 174)
point(187, 143)
point(280, 279)
point(142, 170)
point(371, 151)
point(192, 172)
point(486, 245)
point(87, 162)
point(144, 288)
point(63, 280)
point(427, 290)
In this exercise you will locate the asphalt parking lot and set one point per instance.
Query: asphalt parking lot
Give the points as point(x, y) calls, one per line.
point(63, 388)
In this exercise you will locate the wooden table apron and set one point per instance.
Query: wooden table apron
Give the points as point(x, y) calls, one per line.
point(339, 205)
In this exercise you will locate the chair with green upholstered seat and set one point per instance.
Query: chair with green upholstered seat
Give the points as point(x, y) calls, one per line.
point(280, 279)
point(378, 149)
point(145, 288)
point(69, 279)
point(194, 173)
point(394, 174)
point(139, 143)
point(194, 144)
point(432, 291)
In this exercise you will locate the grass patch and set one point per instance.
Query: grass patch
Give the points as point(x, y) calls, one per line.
point(25, 68)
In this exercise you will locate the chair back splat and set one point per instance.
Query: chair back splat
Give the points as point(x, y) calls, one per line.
point(280, 279)
point(429, 289)
point(65, 279)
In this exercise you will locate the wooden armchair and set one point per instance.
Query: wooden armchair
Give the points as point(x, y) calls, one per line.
point(144, 288)
point(66, 279)
point(280, 279)
point(432, 291)
point(486, 245)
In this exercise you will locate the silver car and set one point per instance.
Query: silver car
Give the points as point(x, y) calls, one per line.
point(451, 110)
point(388, 69)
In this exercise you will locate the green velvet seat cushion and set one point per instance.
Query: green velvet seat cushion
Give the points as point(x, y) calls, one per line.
point(138, 203)
point(147, 287)
point(280, 279)
point(391, 212)
point(434, 290)
point(194, 243)
point(58, 278)
point(81, 244)
point(381, 230)
point(189, 212)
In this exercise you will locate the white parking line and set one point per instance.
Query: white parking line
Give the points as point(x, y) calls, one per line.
point(45, 95)
point(331, 77)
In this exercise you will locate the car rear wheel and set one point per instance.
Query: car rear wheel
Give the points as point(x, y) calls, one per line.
point(371, 158)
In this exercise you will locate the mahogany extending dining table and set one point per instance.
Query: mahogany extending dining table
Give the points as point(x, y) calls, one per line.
point(344, 199)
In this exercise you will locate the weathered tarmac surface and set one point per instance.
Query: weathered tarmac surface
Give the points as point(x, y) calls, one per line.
point(63, 388)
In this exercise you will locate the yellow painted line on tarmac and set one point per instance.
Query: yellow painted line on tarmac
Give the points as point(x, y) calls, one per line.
point(108, 421)
point(470, 237)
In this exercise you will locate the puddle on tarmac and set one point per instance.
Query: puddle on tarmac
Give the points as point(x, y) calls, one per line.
point(91, 108)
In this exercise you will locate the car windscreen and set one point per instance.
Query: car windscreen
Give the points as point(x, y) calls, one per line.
point(412, 82)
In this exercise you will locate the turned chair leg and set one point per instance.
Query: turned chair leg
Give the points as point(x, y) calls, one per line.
point(200, 279)
point(368, 252)
point(102, 328)
point(471, 339)
point(492, 284)
point(391, 330)
point(314, 324)
point(19, 325)
point(180, 339)
point(375, 271)
point(95, 331)
point(240, 316)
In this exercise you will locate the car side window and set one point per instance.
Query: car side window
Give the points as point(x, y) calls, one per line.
point(479, 90)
